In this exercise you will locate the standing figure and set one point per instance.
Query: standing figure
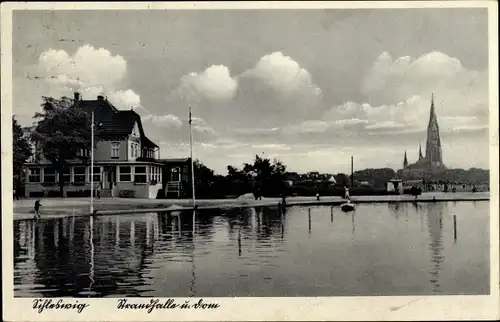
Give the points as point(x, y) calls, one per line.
point(346, 194)
point(98, 192)
point(400, 188)
point(37, 208)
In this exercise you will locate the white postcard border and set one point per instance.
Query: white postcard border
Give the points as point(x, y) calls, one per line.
point(256, 308)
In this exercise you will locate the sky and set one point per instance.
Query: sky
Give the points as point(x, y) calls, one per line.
point(308, 87)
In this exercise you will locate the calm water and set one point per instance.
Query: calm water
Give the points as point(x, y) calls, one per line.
point(381, 249)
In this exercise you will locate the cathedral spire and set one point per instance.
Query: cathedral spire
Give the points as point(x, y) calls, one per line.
point(433, 152)
point(433, 111)
point(420, 156)
point(405, 161)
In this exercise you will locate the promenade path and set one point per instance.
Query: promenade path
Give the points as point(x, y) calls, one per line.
point(64, 207)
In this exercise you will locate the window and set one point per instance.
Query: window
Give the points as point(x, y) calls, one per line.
point(152, 173)
point(97, 174)
point(115, 150)
point(65, 176)
point(140, 174)
point(175, 174)
point(134, 150)
point(125, 174)
point(79, 174)
point(49, 175)
point(82, 153)
point(34, 174)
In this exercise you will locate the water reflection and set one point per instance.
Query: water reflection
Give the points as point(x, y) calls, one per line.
point(240, 252)
point(435, 228)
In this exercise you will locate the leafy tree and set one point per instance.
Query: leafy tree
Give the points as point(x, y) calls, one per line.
point(61, 132)
point(265, 176)
point(377, 177)
point(203, 174)
point(21, 149)
point(342, 179)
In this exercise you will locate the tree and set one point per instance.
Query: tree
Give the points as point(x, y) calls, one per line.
point(267, 177)
point(62, 131)
point(202, 173)
point(377, 177)
point(21, 149)
point(342, 179)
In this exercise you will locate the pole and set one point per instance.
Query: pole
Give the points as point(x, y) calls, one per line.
point(455, 228)
point(92, 165)
point(309, 219)
point(352, 171)
point(192, 166)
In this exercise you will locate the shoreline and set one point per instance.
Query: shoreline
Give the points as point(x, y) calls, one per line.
point(63, 208)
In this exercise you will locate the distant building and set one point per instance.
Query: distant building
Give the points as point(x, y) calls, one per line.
point(433, 161)
point(125, 161)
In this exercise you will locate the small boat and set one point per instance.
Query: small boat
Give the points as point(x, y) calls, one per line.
point(348, 206)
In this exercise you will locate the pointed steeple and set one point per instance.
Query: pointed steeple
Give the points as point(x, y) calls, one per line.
point(420, 156)
point(432, 115)
point(405, 161)
point(433, 152)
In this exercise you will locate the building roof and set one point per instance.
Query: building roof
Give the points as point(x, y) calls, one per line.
point(174, 160)
point(111, 122)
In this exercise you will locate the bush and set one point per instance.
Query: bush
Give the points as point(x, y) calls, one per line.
point(126, 194)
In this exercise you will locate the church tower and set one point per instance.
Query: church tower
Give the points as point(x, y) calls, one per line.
point(405, 162)
point(433, 153)
point(420, 156)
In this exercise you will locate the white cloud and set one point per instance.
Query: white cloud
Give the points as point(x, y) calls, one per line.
point(257, 131)
point(277, 86)
point(87, 67)
point(90, 71)
point(307, 127)
point(215, 84)
point(458, 90)
point(284, 75)
point(399, 95)
point(169, 120)
point(124, 99)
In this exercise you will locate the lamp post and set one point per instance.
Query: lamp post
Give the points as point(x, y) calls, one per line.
point(92, 163)
point(192, 167)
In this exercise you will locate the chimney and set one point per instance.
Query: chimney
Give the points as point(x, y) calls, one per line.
point(100, 98)
point(76, 95)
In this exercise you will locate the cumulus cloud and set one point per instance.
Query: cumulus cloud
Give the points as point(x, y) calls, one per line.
point(214, 84)
point(88, 66)
point(458, 90)
point(90, 71)
point(277, 89)
point(399, 94)
point(201, 126)
point(125, 99)
point(169, 120)
point(284, 76)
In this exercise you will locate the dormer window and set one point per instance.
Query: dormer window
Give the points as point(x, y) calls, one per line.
point(135, 130)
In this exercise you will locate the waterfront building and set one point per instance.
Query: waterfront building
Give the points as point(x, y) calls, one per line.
point(432, 163)
point(177, 175)
point(125, 159)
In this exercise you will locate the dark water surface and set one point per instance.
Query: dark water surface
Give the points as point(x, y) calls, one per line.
point(381, 249)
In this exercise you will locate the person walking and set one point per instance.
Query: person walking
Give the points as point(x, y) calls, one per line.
point(346, 194)
point(37, 208)
point(98, 190)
